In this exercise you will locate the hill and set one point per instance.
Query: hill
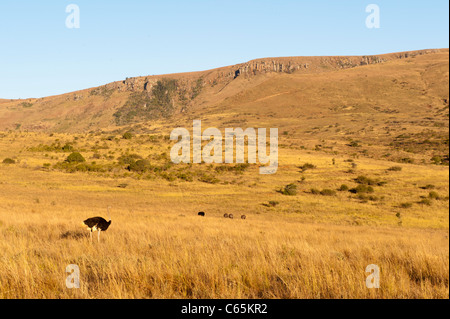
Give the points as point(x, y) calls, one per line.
point(396, 105)
point(95, 108)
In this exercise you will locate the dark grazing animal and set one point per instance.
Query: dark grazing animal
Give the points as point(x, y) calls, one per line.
point(202, 214)
point(243, 217)
point(231, 216)
point(226, 215)
point(98, 224)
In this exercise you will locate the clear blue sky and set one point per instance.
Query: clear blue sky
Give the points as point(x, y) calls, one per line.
point(40, 56)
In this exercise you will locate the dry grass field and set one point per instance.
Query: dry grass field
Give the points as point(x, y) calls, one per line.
point(365, 151)
point(307, 246)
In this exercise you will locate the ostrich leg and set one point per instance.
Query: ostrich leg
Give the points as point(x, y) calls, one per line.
point(91, 235)
point(99, 235)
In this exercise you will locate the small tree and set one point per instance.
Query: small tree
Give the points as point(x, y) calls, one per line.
point(75, 157)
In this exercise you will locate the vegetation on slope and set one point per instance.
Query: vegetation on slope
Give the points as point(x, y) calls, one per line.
point(142, 106)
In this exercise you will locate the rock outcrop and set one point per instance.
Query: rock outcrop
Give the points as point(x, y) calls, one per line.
point(260, 66)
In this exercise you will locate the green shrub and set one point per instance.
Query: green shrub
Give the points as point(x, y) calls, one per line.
point(434, 195)
point(315, 191)
point(436, 160)
point(425, 201)
point(9, 161)
point(271, 204)
point(129, 159)
point(354, 144)
point(127, 136)
point(82, 168)
point(406, 205)
point(328, 192)
point(440, 160)
point(75, 157)
point(168, 176)
point(93, 167)
point(102, 91)
point(363, 180)
point(307, 166)
point(140, 166)
point(362, 189)
point(343, 188)
point(205, 178)
point(185, 177)
point(289, 190)
point(366, 198)
point(197, 89)
point(67, 148)
point(54, 147)
point(407, 160)
point(238, 169)
point(26, 104)
point(395, 169)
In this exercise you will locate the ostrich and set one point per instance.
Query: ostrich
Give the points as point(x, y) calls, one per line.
point(97, 224)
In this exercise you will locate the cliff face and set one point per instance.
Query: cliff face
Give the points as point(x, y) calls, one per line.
point(311, 64)
point(262, 66)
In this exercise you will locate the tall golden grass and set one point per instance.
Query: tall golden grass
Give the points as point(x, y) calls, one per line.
point(171, 256)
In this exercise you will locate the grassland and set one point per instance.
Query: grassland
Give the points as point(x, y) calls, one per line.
point(302, 246)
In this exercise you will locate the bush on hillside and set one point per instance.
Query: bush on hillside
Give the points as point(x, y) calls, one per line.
point(140, 166)
point(75, 157)
point(9, 161)
point(289, 190)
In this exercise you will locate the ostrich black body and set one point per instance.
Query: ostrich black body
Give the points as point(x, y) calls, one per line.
point(98, 223)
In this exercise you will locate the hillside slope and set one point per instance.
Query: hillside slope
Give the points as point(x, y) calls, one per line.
point(393, 105)
point(136, 100)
